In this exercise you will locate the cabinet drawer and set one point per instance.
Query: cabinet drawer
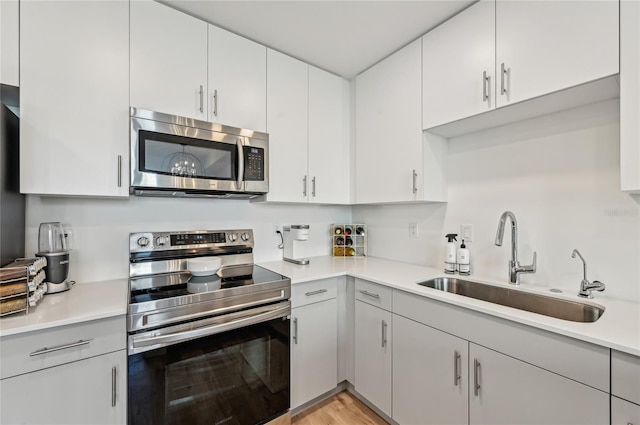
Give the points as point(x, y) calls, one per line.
point(374, 294)
point(578, 360)
point(23, 353)
point(313, 292)
point(624, 413)
point(625, 376)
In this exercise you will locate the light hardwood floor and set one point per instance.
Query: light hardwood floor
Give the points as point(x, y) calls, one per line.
point(341, 409)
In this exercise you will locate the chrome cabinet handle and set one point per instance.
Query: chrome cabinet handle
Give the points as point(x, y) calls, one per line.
point(119, 170)
point(476, 377)
point(415, 181)
point(295, 330)
point(113, 386)
point(384, 334)
point(319, 291)
point(46, 350)
point(215, 103)
point(503, 72)
point(456, 368)
point(370, 294)
point(201, 99)
point(485, 83)
point(313, 186)
point(304, 186)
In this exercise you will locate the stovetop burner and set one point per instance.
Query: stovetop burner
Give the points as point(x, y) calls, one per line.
point(184, 284)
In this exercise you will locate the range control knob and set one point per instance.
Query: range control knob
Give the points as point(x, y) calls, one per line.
point(245, 236)
point(143, 241)
point(161, 241)
point(232, 237)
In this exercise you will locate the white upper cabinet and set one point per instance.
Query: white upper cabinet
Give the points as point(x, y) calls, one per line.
point(547, 46)
point(500, 52)
point(329, 150)
point(287, 114)
point(9, 42)
point(168, 60)
point(458, 70)
point(237, 81)
point(630, 96)
point(308, 126)
point(74, 98)
point(389, 129)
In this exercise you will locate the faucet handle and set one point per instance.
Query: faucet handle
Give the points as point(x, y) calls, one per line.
point(599, 286)
point(530, 268)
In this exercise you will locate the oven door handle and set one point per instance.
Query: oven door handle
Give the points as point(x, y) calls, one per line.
point(177, 337)
point(240, 164)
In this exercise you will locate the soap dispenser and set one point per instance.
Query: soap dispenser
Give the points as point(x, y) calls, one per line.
point(450, 258)
point(464, 260)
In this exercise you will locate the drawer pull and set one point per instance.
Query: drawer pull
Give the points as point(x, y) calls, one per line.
point(46, 350)
point(319, 291)
point(456, 370)
point(295, 330)
point(369, 294)
point(113, 386)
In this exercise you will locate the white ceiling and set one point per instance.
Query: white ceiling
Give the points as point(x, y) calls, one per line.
point(343, 37)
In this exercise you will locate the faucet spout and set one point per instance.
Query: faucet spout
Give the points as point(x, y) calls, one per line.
point(514, 265)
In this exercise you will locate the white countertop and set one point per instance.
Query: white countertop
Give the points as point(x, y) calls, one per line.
point(82, 303)
point(618, 328)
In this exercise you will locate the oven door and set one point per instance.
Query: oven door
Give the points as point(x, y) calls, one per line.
point(231, 369)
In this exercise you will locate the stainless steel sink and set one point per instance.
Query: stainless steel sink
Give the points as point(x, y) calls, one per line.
point(561, 309)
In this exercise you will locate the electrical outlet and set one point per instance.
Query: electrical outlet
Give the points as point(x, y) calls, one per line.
point(277, 228)
point(413, 230)
point(466, 232)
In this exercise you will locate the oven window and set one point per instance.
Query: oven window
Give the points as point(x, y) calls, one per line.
point(239, 377)
point(181, 156)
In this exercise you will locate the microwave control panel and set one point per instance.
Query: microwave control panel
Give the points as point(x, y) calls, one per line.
point(253, 163)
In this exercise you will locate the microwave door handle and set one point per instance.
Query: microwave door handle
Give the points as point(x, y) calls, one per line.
point(240, 164)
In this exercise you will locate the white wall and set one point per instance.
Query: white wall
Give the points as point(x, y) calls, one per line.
point(559, 174)
point(101, 226)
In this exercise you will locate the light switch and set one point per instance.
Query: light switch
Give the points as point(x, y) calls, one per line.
point(466, 232)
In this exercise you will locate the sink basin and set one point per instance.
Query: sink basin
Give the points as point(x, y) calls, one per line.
point(561, 309)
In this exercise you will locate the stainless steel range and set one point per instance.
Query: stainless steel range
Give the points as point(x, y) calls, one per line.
point(206, 349)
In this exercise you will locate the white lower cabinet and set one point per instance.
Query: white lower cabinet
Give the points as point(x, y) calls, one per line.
point(373, 342)
point(430, 377)
point(91, 391)
point(624, 412)
point(314, 351)
point(504, 390)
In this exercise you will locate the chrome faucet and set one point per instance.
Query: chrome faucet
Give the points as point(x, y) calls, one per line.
point(585, 286)
point(514, 265)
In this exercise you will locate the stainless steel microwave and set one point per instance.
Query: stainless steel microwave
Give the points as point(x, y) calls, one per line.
point(177, 156)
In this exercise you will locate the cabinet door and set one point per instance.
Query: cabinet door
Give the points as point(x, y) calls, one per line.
point(513, 392)
point(237, 81)
point(314, 351)
point(287, 103)
point(168, 60)
point(91, 391)
point(329, 152)
point(74, 99)
point(430, 377)
point(389, 129)
point(9, 42)
point(458, 63)
point(547, 46)
point(624, 412)
point(373, 355)
point(630, 96)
